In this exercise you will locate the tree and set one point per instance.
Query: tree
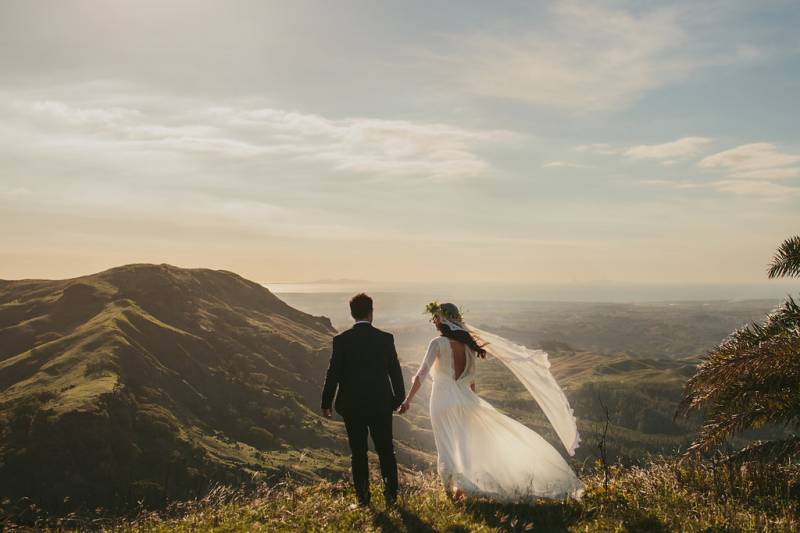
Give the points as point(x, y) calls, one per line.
point(786, 262)
point(753, 377)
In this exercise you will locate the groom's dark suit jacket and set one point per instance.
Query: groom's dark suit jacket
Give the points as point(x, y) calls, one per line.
point(365, 369)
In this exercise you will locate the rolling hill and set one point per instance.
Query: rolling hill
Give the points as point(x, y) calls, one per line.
point(145, 384)
point(640, 393)
point(149, 382)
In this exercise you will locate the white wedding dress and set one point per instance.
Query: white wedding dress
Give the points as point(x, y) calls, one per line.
point(485, 453)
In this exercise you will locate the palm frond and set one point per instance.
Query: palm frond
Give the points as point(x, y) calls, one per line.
point(753, 377)
point(787, 259)
point(758, 409)
point(776, 450)
point(745, 384)
point(757, 350)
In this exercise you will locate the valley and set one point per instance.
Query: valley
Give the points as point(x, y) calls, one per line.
point(151, 383)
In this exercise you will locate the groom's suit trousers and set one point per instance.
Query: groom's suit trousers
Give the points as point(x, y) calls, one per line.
point(379, 426)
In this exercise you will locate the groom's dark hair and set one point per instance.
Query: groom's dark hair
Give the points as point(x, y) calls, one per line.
point(360, 306)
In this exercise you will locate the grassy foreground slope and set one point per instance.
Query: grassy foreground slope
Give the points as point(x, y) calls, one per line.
point(661, 496)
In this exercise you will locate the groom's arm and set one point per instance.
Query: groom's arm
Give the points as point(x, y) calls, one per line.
point(332, 378)
point(396, 375)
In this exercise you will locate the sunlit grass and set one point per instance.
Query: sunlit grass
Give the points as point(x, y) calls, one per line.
point(663, 495)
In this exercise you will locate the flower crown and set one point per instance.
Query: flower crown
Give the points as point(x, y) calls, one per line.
point(446, 311)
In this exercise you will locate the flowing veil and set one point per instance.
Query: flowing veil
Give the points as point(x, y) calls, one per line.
point(532, 369)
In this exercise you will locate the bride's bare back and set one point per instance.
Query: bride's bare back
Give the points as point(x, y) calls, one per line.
point(459, 358)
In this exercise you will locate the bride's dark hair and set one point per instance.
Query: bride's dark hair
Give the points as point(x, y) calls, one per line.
point(463, 337)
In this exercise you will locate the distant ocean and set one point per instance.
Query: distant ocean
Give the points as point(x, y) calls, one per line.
point(589, 292)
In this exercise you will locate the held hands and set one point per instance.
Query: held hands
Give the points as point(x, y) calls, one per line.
point(404, 407)
point(410, 396)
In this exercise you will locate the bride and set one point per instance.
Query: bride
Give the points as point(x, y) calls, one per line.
point(481, 451)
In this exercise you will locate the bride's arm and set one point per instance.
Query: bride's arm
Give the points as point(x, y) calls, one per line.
point(415, 385)
point(421, 374)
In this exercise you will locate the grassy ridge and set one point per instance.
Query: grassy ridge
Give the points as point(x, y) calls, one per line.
point(150, 382)
point(661, 496)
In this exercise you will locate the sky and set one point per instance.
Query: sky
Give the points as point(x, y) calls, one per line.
point(521, 142)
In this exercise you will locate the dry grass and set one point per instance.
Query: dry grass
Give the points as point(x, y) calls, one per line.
point(660, 496)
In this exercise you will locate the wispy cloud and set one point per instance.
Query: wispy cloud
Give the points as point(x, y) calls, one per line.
point(110, 117)
point(563, 164)
point(16, 191)
point(588, 58)
point(760, 189)
point(598, 149)
point(750, 169)
point(754, 161)
point(673, 184)
point(765, 189)
point(667, 153)
point(378, 148)
point(671, 151)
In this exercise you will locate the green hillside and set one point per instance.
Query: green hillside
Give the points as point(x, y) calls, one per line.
point(641, 395)
point(149, 382)
point(634, 359)
point(146, 384)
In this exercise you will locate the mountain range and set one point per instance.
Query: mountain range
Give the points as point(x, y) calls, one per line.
point(151, 382)
point(146, 383)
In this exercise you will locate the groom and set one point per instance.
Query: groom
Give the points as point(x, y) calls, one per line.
point(365, 369)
